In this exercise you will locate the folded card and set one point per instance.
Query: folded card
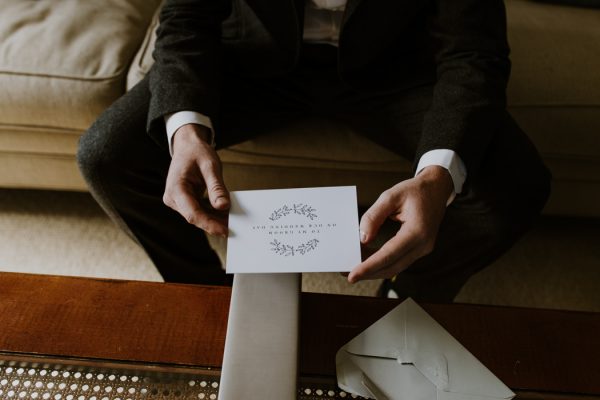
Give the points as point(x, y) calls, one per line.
point(293, 230)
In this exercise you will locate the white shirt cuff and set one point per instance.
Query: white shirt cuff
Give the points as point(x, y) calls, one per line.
point(177, 120)
point(449, 160)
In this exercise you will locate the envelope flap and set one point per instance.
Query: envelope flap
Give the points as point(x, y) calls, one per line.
point(410, 335)
point(386, 338)
point(433, 347)
point(381, 378)
point(349, 374)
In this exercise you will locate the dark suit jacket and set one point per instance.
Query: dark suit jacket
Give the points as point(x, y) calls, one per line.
point(460, 45)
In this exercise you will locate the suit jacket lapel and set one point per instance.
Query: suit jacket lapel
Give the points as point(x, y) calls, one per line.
point(282, 18)
point(351, 6)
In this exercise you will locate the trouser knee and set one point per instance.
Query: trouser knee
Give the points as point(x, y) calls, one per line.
point(100, 164)
point(104, 171)
point(89, 158)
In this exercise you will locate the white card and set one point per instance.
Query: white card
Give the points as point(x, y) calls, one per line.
point(293, 230)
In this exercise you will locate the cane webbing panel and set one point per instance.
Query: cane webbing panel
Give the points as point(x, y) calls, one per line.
point(22, 380)
point(52, 381)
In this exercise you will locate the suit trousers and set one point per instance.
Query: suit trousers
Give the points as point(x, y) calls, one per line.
point(126, 171)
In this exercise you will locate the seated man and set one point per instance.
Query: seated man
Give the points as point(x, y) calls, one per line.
point(425, 79)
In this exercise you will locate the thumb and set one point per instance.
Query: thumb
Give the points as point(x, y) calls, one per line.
point(215, 186)
point(375, 216)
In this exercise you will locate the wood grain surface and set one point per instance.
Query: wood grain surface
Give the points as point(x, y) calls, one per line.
point(113, 319)
point(533, 351)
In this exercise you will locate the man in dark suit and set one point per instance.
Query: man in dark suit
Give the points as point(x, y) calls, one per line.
point(426, 79)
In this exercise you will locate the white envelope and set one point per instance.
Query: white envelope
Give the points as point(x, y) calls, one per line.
point(408, 355)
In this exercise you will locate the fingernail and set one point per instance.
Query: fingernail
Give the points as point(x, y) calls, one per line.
point(219, 201)
point(363, 236)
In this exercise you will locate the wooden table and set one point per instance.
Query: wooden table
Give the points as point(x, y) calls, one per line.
point(541, 354)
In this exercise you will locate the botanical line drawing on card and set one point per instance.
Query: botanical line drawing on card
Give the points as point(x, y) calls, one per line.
point(288, 250)
point(297, 209)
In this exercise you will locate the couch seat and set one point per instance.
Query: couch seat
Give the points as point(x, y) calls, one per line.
point(61, 64)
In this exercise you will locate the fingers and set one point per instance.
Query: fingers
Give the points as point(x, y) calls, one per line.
point(397, 254)
point(366, 252)
point(195, 166)
point(391, 252)
point(183, 199)
point(419, 205)
point(376, 215)
point(218, 195)
point(394, 269)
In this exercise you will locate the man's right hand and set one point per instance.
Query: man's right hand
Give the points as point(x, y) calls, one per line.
point(196, 167)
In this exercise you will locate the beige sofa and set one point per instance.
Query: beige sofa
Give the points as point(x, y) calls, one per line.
point(62, 63)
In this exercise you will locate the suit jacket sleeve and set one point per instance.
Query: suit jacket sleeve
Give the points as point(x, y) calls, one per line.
point(186, 72)
point(469, 98)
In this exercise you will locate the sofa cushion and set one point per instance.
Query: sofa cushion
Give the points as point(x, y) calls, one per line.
point(578, 3)
point(143, 59)
point(555, 54)
point(63, 62)
point(554, 95)
point(554, 88)
point(343, 157)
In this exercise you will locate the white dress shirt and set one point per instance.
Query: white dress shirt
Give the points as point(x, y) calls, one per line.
point(322, 20)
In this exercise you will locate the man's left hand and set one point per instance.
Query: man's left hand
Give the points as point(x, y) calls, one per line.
point(418, 204)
